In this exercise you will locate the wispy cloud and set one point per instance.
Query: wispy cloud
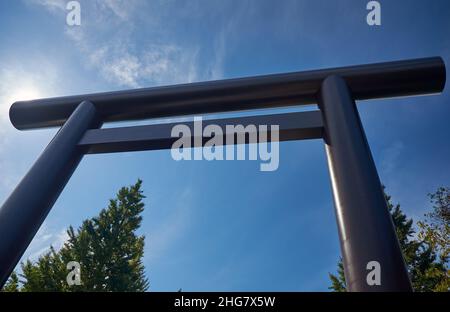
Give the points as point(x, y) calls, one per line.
point(121, 8)
point(45, 238)
point(155, 65)
point(50, 5)
point(390, 158)
point(104, 40)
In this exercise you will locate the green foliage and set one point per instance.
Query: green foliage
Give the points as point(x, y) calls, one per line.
point(338, 282)
point(434, 231)
point(107, 248)
point(426, 257)
point(12, 285)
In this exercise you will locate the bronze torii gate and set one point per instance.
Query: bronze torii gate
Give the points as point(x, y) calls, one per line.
point(365, 227)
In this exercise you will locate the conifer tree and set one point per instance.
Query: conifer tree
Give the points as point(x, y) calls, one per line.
point(12, 285)
point(106, 247)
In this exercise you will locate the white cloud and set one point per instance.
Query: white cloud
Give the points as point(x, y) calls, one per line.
point(121, 8)
point(123, 69)
point(42, 241)
point(156, 65)
point(104, 40)
point(50, 5)
point(169, 63)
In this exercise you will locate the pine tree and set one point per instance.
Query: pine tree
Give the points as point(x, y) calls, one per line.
point(338, 282)
point(13, 283)
point(47, 274)
point(106, 247)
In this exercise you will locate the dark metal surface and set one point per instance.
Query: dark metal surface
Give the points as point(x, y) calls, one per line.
point(292, 126)
point(26, 208)
point(365, 227)
point(401, 78)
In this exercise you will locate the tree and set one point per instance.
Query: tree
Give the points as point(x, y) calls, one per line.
point(106, 247)
point(13, 283)
point(434, 230)
point(338, 282)
point(426, 271)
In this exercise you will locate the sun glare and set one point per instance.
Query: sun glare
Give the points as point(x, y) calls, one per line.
point(20, 93)
point(24, 93)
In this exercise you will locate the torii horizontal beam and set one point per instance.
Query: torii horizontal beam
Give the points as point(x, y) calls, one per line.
point(401, 78)
point(366, 233)
point(292, 126)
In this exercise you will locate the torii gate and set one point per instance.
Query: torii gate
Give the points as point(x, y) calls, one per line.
point(365, 227)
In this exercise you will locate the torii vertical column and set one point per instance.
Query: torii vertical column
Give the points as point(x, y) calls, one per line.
point(366, 231)
point(26, 208)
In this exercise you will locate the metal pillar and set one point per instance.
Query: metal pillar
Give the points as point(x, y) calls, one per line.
point(366, 230)
point(26, 208)
point(365, 226)
point(400, 78)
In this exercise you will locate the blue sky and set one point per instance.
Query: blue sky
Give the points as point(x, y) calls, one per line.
point(223, 225)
